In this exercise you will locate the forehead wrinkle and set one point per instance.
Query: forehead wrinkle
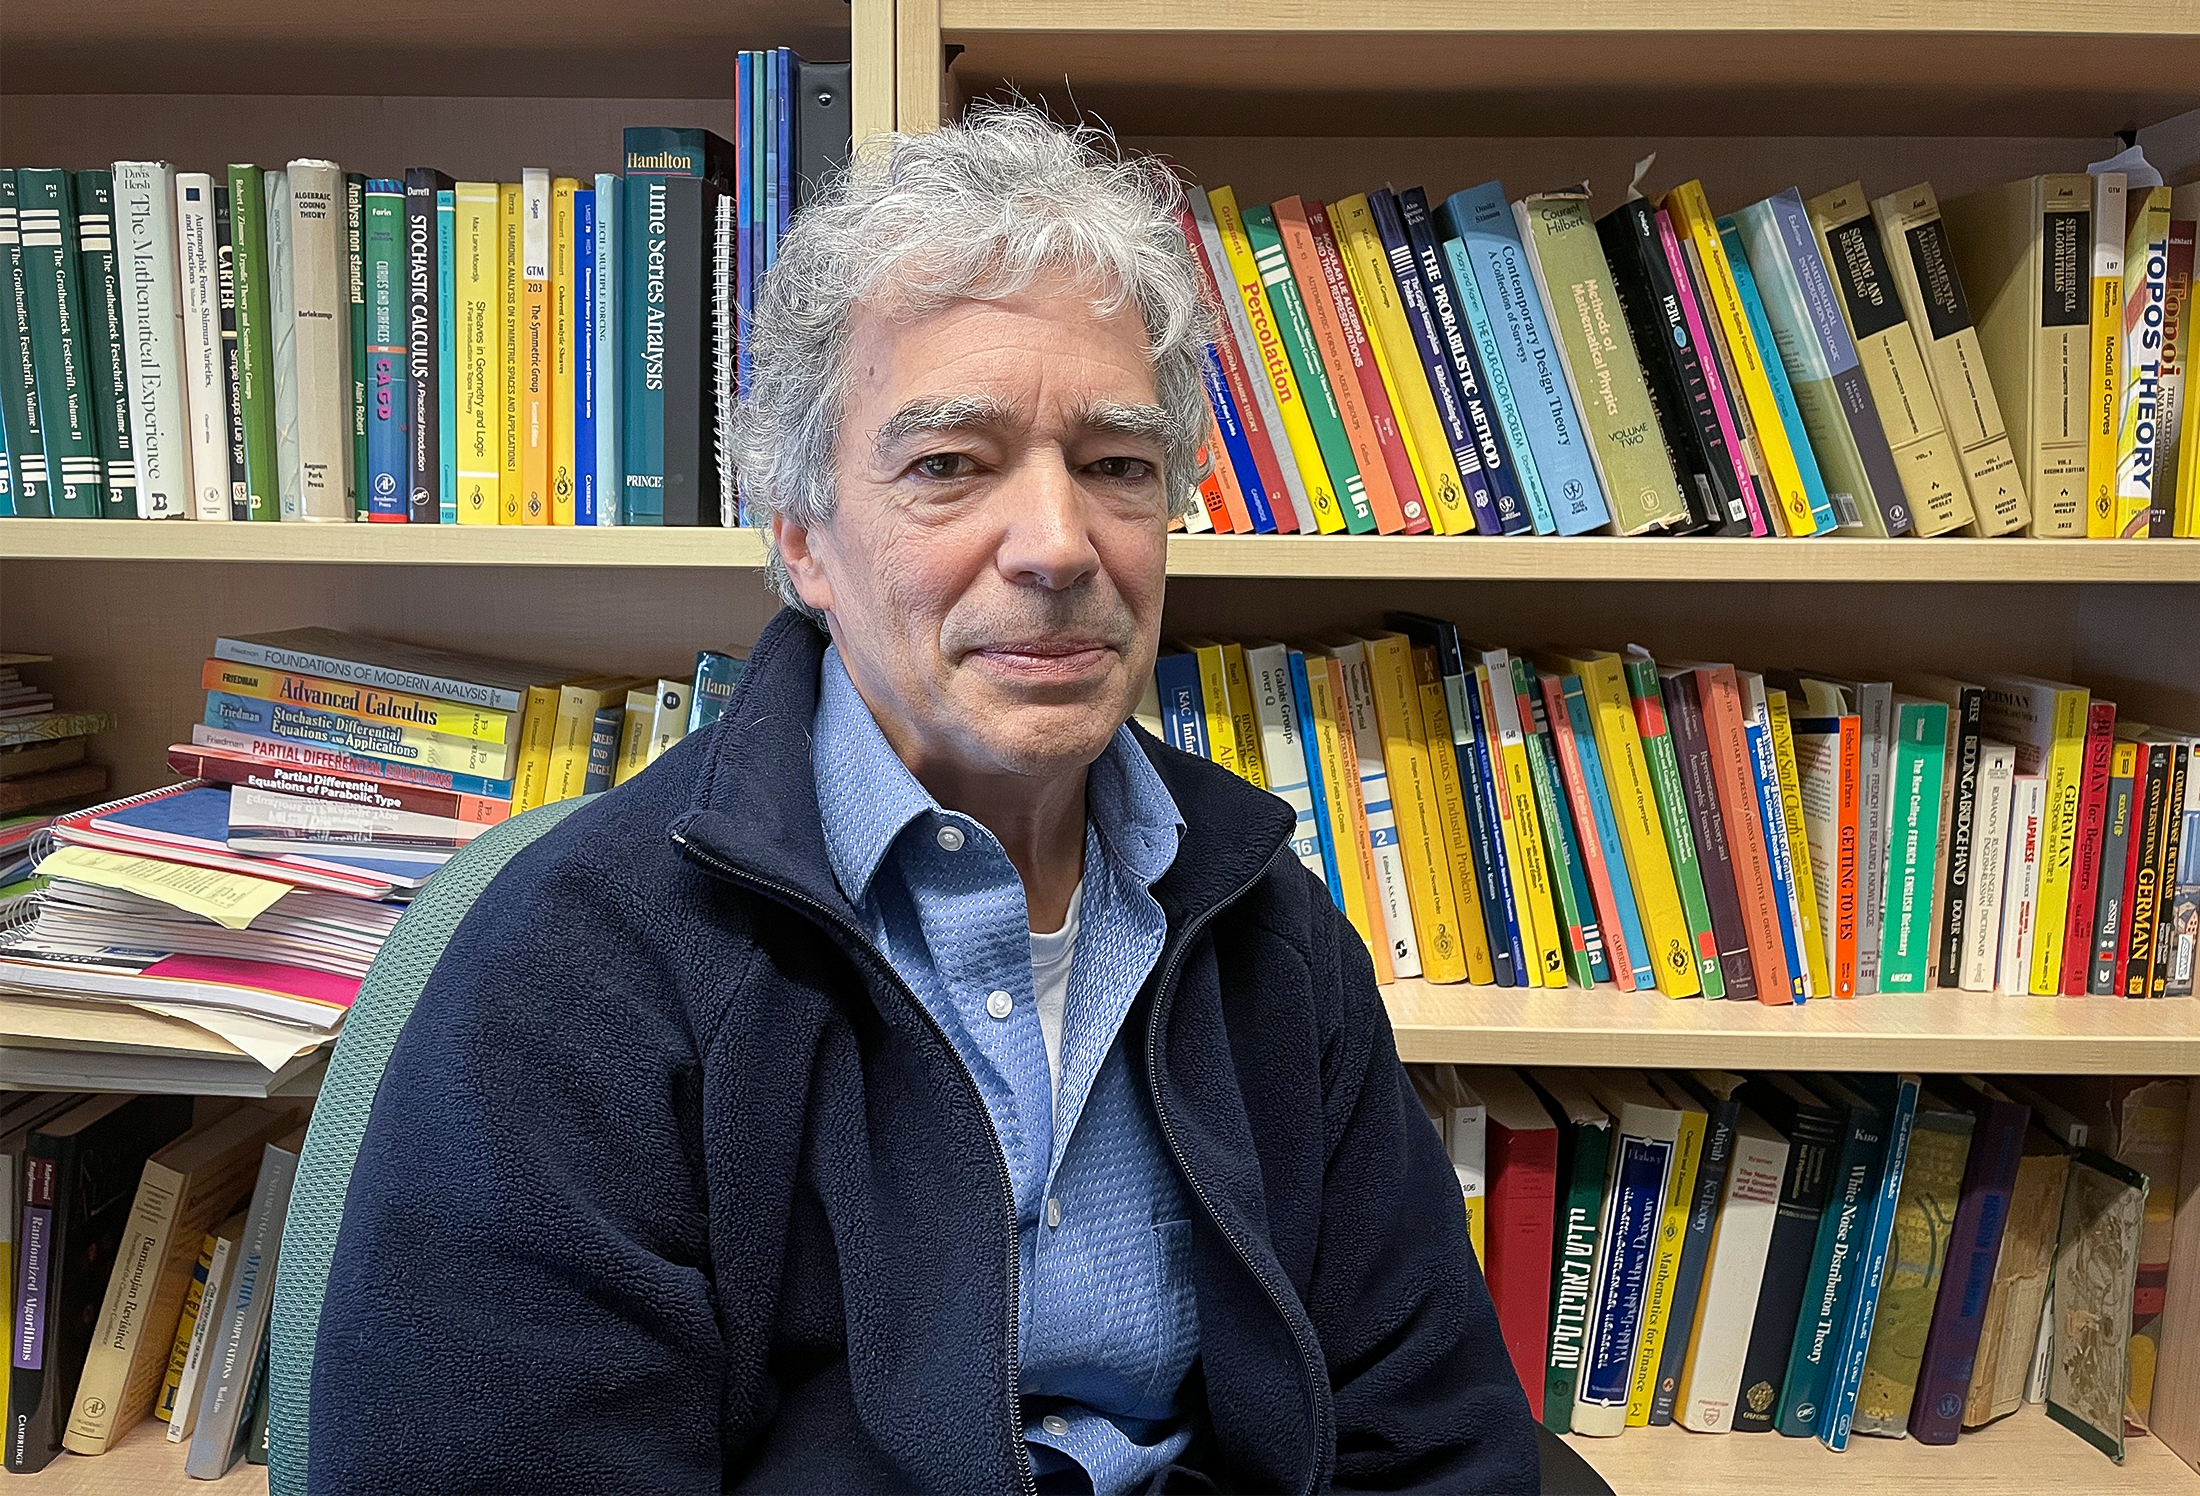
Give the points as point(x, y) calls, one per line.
point(1139, 421)
point(936, 413)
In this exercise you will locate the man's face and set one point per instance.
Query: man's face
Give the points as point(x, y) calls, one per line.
point(994, 567)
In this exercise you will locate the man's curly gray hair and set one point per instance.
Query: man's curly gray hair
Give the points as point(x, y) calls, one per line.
point(974, 211)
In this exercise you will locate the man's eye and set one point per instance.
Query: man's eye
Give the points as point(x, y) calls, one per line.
point(943, 465)
point(1123, 469)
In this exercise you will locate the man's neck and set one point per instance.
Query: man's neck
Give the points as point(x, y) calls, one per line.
point(1040, 823)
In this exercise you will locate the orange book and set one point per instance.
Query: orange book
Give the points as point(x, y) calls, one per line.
point(1404, 482)
point(1731, 766)
point(1210, 486)
point(1333, 672)
point(1225, 476)
point(1336, 356)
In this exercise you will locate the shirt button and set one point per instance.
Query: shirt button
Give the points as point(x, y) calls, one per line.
point(950, 838)
point(1054, 1212)
point(999, 1004)
point(1055, 1424)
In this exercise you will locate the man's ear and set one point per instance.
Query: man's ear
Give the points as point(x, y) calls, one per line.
point(804, 569)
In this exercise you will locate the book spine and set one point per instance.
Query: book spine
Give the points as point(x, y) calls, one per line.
point(1672, 806)
point(19, 416)
point(1605, 853)
point(320, 336)
point(178, 437)
point(511, 426)
point(2170, 464)
point(1231, 453)
point(1635, 806)
point(2135, 946)
point(603, 749)
point(1966, 735)
point(355, 345)
point(1351, 512)
point(642, 315)
point(240, 487)
point(2104, 353)
point(1489, 769)
point(1653, 314)
point(1457, 360)
point(1273, 453)
point(1696, 370)
point(2166, 868)
point(2087, 847)
point(1716, 1390)
point(2021, 882)
point(1665, 1264)
point(1845, 1380)
point(1328, 346)
point(1482, 336)
point(560, 323)
point(1625, 1242)
point(1533, 914)
point(2181, 894)
point(1822, 322)
point(385, 247)
point(1734, 764)
point(164, 1408)
point(353, 735)
point(1359, 351)
point(532, 346)
point(422, 324)
point(56, 321)
point(274, 656)
point(2141, 439)
point(219, 1275)
point(34, 1365)
point(105, 344)
point(1720, 1137)
point(1300, 703)
point(1585, 956)
point(1574, 1274)
point(610, 369)
point(1451, 820)
point(1989, 863)
point(446, 718)
point(1811, 933)
point(1921, 737)
point(480, 340)
point(1720, 390)
point(215, 1442)
point(97, 1402)
point(255, 274)
point(1805, 1201)
point(276, 777)
point(583, 423)
point(446, 355)
point(1974, 1246)
point(1405, 748)
point(1393, 899)
point(1772, 816)
point(690, 491)
point(1714, 861)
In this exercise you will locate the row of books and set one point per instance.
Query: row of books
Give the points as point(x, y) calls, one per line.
point(42, 767)
point(1576, 817)
point(548, 351)
point(1824, 1255)
point(1793, 368)
point(141, 1233)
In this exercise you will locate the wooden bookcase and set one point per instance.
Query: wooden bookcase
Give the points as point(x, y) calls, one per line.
point(1274, 96)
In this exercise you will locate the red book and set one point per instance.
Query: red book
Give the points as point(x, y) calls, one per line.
point(1732, 767)
point(1369, 376)
point(1241, 388)
point(2085, 856)
point(1520, 1196)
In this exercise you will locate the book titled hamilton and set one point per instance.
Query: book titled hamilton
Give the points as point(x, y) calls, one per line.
point(665, 308)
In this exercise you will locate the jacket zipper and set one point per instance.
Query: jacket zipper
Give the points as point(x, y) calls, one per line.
point(1027, 1481)
point(1308, 1366)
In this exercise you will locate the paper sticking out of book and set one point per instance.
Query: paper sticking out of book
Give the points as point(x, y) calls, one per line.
point(2139, 174)
point(231, 900)
point(1642, 169)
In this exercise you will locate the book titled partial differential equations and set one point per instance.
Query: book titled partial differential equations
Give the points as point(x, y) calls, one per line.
point(302, 343)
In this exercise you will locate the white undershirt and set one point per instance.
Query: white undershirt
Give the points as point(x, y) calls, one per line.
point(1050, 962)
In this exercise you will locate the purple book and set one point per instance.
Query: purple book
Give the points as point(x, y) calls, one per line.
point(1974, 1244)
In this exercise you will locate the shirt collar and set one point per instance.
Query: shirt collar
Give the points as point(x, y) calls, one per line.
point(1127, 805)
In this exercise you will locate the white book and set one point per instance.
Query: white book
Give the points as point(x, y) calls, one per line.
point(1391, 901)
point(1726, 1305)
point(145, 248)
point(234, 1344)
point(1818, 781)
point(1462, 1121)
point(669, 724)
point(1251, 354)
point(1276, 705)
point(1781, 848)
point(1196, 520)
point(185, 1416)
point(1997, 769)
point(610, 222)
point(1644, 1154)
point(205, 402)
point(322, 312)
point(2021, 880)
point(257, 812)
point(282, 324)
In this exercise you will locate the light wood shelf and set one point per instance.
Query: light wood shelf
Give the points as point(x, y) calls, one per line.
point(1936, 1031)
point(141, 1463)
point(2026, 1454)
point(1421, 557)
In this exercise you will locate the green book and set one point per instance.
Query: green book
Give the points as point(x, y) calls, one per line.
point(355, 218)
point(101, 279)
point(1917, 1255)
point(255, 338)
point(1672, 798)
point(18, 376)
point(1584, 1144)
point(55, 302)
point(1602, 369)
point(1584, 950)
point(1297, 334)
point(1913, 801)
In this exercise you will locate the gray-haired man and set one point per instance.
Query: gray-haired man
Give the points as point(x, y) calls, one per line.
point(924, 1080)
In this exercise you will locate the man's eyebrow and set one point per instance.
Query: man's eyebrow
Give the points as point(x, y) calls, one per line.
point(943, 413)
point(1140, 422)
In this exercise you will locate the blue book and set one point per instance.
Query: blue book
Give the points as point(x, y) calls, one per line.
point(339, 731)
point(1772, 810)
point(7, 475)
point(389, 393)
point(1302, 706)
point(1463, 364)
point(1645, 1129)
point(1783, 393)
point(1239, 451)
point(1484, 338)
point(1489, 771)
point(784, 200)
point(199, 816)
point(603, 746)
point(747, 260)
point(446, 351)
point(584, 357)
point(716, 676)
point(1482, 221)
point(1435, 362)
point(1183, 709)
point(767, 201)
point(1640, 975)
point(610, 220)
point(1830, 1284)
point(1847, 1378)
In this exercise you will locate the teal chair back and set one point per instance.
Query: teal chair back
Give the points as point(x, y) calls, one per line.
point(317, 1199)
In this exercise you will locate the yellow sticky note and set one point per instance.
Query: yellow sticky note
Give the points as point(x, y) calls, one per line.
point(231, 900)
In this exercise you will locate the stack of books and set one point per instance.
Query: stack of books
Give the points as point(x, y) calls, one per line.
point(555, 350)
point(1844, 365)
point(1821, 1255)
point(42, 771)
point(1578, 817)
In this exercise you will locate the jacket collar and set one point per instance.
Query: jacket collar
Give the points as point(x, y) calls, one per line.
point(755, 808)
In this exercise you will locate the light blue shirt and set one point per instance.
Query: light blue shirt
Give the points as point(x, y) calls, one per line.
point(1107, 1324)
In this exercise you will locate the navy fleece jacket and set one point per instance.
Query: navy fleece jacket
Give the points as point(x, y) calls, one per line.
point(671, 1186)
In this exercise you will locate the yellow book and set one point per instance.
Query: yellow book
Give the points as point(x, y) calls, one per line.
point(641, 712)
point(1214, 703)
point(1451, 808)
point(578, 703)
point(1427, 861)
point(1321, 493)
point(564, 286)
point(2138, 434)
point(1344, 833)
point(478, 295)
point(1693, 220)
point(1791, 803)
point(2104, 356)
point(1244, 717)
point(449, 719)
point(538, 721)
point(1399, 362)
point(1665, 1261)
point(1627, 776)
point(534, 348)
point(2187, 513)
point(1541, 941)
point(510, 509)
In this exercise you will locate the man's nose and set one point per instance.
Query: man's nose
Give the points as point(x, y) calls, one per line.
point(1046, 540)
